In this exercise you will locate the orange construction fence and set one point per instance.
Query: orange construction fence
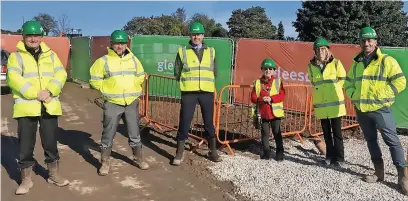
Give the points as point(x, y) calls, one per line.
point(163, 107)
point(160, 105)
point(234, 123)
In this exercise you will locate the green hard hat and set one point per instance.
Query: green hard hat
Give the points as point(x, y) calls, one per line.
point(196, 28)
point(32, 28)
point(367, 33)
point(268, 63)
point(321, 42)
point(119, 36)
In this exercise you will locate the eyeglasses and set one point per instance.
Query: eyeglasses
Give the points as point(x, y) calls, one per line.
point(268, 68)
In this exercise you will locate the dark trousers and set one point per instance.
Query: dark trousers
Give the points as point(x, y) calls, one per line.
point(333, 138)
point(276, 131)
point(188, 104)
point(27, 129)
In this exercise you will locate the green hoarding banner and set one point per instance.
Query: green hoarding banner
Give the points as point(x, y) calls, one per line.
point(80, 58)
point(400, 107)
point(158, 53)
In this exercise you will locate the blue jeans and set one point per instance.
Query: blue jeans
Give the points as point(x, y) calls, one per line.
point(384, 121)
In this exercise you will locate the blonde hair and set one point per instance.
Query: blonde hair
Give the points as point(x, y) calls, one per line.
point(323, 60)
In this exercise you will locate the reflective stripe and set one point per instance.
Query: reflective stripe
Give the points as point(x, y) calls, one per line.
point(372, 101)
point(52, 59)
point(96, 77)
point(396, 76)
point(394, 89)
point(51, 74)
point(20, 61)
point(56, 69)
point(122, 95)
point(311, 74)
point(105, 58)
point(28, 75)
point(134, 61)
point(196, 79)
point(18, 70)
point(328, 104)
point(324, 82)
point(25, 87)
point(111, 74)
point(140, 74)
point(57, 83)
point(121, 73)
point(204, 68)
point(22, 100)
point(185, 57)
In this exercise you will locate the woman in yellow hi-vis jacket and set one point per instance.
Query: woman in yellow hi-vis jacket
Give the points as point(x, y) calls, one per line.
point(327, 76)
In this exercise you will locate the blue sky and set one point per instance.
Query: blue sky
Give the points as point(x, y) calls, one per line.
point(108, 16)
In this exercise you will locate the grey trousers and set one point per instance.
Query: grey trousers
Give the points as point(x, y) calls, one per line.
point(112, 114)
point(384, 121)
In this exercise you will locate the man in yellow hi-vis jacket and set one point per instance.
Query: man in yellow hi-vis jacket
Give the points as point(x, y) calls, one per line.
point(372, 83)
point(119, 76)
point(36, 76)
point(195, 69)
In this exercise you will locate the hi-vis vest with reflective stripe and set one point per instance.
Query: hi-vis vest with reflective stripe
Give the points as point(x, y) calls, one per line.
point(376, 85)
point(277, 108)
point(328, 96)
point(26, 78)
point(196, 76)
point(119, 79)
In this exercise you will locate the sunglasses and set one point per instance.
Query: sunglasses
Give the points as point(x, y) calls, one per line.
point(268, 68)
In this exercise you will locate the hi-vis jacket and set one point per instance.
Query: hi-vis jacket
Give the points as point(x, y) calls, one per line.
point(196, 75)
point(276, 107)
point(374, 86)
point(26, 77)
point(119, 79)
point(328, 96)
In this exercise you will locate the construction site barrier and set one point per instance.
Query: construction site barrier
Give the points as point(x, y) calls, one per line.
point(163, 107)
point(143, 98)
point(348, 121)
point(234, 123)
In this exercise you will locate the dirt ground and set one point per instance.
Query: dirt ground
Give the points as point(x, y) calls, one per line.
point(79, 136)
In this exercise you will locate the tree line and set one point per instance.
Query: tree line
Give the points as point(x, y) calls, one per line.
point(338, 21)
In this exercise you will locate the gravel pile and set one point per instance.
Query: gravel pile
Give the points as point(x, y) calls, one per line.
point(303, 176)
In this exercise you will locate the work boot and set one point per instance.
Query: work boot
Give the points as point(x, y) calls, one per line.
point(266, 154)
point(179, 153)
point(138, 158)
point(213, 153)
point(105, 160)
point(26, 182)
point(403, 179)
point(53, 175)
point(378, 175)
point(279, 154)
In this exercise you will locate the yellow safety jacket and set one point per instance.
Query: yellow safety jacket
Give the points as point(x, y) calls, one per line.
point(196, 75)
point(328, 96)
point(26, 77)
point(376, 85)
point(277, 108)
point(119, 79)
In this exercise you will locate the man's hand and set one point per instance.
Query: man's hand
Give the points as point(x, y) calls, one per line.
point(43, 94)
point(267, 99)
point(47, 100)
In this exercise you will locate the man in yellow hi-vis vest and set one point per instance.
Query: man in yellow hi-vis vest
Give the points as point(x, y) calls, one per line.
point(372, 83)
point(195, 69)
point(119, 76)
point(36, 76)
